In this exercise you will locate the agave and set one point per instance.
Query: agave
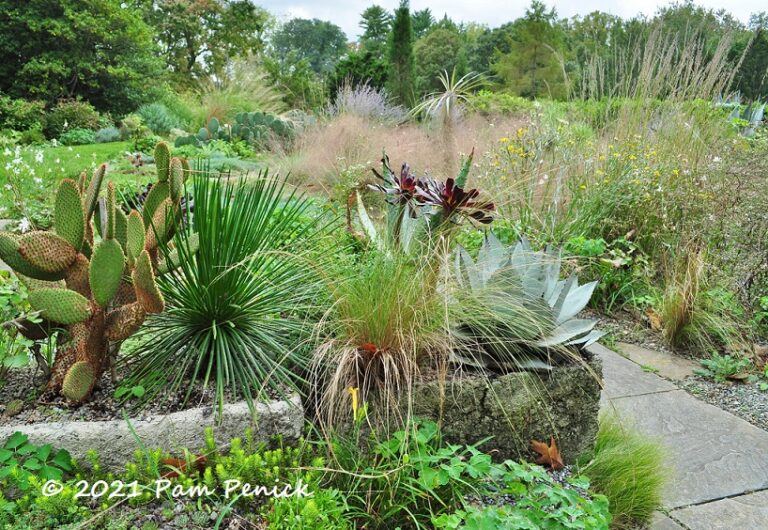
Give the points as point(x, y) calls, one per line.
point(523, 316)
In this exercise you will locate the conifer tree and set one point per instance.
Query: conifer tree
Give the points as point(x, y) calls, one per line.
point(402, 65)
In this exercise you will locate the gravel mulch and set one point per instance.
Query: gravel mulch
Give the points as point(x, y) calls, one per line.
point(745, 400)
point(19, 406)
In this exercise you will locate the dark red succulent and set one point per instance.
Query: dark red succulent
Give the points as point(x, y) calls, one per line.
point(453, 200)
point(399, 189)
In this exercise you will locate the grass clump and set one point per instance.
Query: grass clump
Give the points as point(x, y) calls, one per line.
point(629, 469)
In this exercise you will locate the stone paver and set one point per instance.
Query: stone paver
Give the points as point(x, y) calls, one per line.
point(669, 366)
point(717, 460)
point(747, 512)
point(623, 378)
point(714, 454)
point(663, 522)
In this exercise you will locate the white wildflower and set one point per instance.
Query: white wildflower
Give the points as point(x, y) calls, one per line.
point(24, 225)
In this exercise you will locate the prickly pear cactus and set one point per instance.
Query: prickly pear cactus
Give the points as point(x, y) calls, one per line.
point(97, 290)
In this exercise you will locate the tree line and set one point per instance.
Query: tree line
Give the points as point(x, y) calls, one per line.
point(118, 54)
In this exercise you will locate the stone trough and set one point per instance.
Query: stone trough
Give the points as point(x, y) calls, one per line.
point(116, 443)
point(516, 408)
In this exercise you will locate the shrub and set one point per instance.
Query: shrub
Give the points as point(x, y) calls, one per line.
point(499, 103)
point(367, 102)
point(107, 135)
point(158, 118)
point(77, 137)
point(70, 114)
point(20, 114)
point(629, 469)
point(32, 136)
point(237, 307)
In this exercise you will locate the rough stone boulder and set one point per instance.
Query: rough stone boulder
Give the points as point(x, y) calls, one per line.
point(516, 408)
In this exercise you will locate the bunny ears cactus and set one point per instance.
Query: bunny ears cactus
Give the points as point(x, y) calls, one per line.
point(96, 290)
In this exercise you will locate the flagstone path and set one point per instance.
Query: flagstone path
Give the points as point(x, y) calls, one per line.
point(719, 462)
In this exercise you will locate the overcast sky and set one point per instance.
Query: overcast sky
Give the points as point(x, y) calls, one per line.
point(346, 13)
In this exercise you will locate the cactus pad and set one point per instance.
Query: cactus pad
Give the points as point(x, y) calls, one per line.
point(121, 228)
point(106, 270)
point(156, 195)
point(69, 218)
point(162, 161)
point(147, 292)
point(159, 228)
point(176, 179)
point(9, 253)
point(47, 251)
point(135, 235)
point(125, 321)
point(92, 194)
point(78, 382)
point(111, 202)
point(60, 305)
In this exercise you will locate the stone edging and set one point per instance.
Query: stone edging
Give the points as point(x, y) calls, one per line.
point(116, 444)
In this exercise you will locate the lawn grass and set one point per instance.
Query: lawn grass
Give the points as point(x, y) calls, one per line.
point(32, 173)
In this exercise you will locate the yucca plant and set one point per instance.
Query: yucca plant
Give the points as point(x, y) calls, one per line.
point(516, 311)
point(237, 309)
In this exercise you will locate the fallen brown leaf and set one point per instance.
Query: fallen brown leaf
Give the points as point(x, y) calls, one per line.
point(550, 454)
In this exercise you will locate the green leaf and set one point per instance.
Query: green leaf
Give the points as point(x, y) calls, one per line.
point(33, 464)
point(51, 473)
point(138, 391)
point(16, 361)
point(63, 460)
point(43, 452)
point(5, 454)
point(16, 440)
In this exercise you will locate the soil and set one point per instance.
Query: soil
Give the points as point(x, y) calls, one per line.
point(19, 405)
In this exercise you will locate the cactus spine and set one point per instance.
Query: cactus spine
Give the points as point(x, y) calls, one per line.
point(108, 285)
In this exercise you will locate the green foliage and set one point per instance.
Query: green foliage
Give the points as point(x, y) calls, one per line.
point(414, 479)
point(236, 309)
point(376, 23)
point(438, 52)
point(402, 66)
point(107, 135)
point(99, 51)
point(158, 118)
point(20, 114)
point(629, 469)
point(199, 39)
point(77, 137)
point(721, 368)
point(319, 42)
point(14, 346)
point(21, 460)
point(93, 278)
point(539, 503)
point(499, 103)
point(531, 68)
point(68, 115)
point(356, 69)
point(325, 510)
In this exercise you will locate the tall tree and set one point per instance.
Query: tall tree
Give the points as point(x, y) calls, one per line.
point(199, 37)
point(532, 67)
point(318, 41)
point(376, 23)
point(97, 50)
point(401, 61)
point(421, 22)
point(752, 77)
point(439, 51)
